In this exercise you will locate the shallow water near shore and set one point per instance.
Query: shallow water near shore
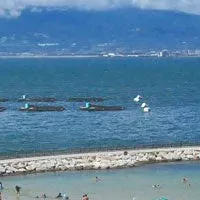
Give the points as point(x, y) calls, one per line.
point(134, 183)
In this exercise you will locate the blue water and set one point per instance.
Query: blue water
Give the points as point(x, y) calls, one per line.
point(127, 184)
point(171, 87)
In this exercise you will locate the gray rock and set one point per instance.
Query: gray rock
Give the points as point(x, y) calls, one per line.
point(10, 169)
point(2, 170)
point(30, 168)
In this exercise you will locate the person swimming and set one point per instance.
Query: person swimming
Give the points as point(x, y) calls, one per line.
point(97, 179)
point(184, 180)
point(156, 186)
point(65, 197)
point(44, 196)
point(59, 195)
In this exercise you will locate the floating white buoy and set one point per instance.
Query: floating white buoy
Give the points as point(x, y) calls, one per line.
point(23, 96)
point(137, 98)
point(144, 105)
point(146, 109)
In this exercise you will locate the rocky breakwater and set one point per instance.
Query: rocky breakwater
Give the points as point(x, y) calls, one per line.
point(96, 161)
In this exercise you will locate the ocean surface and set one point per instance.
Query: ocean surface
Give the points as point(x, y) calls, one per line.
point(171, 87)
point(126, 184)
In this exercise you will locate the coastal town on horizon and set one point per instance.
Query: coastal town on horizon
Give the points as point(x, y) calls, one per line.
point(109, 54)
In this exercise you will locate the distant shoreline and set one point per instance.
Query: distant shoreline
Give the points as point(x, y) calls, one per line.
point(75, 56)
point(89, 56)
point(97, 160)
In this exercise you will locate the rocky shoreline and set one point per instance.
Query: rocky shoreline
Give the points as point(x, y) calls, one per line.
point(97, 161)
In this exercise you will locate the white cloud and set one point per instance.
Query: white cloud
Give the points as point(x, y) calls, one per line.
point(15, 7)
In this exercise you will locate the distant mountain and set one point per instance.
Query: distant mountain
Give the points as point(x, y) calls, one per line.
point(92, 31)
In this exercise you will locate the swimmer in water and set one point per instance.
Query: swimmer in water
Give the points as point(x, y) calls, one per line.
point(156, 186)
point(65, 197)
point(44, 196)
point(153, 186)
point(59, 196)
point(184, 180)
point(97, 179)
point(134, 198)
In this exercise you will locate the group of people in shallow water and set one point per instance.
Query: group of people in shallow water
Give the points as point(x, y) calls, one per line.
point(44, 196)
point(184, 180)
point(84, 197)
point(59, 196)
point(63, 196)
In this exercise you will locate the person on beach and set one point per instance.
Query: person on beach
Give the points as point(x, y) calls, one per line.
point(85, 197)
point(1, 186)
point(17, 188)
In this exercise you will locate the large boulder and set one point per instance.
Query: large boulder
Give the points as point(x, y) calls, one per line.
point(10, 169)
point(2, 170)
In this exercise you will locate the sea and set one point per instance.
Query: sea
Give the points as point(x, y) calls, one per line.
point(170, 86)
point(126, 184)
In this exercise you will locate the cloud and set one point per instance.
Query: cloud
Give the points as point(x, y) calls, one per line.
point(15, 7)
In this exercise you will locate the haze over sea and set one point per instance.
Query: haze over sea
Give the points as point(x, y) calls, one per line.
point(170, 87)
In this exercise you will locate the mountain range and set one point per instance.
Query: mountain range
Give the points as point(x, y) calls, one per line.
point(76, 31)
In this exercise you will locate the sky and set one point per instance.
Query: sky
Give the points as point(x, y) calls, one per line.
point(14, 8)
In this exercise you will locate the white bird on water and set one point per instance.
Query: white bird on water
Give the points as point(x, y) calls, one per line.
point(137, 98)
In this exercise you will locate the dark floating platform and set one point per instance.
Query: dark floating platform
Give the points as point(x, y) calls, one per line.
point(2, 109)
point(85, 99)
point(102, 108)
point(3, 100)
point(39, 99)
point(32, 108)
